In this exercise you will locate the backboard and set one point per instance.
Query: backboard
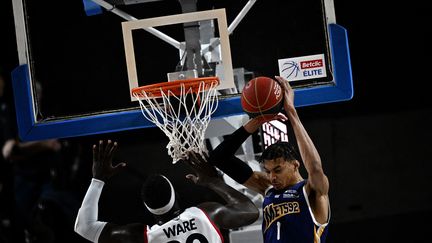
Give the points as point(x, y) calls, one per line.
point(88, 55)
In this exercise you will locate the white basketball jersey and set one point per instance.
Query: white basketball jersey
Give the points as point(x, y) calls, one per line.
point(192, 226)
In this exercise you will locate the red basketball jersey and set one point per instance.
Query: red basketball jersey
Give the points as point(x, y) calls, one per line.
point(193, 224)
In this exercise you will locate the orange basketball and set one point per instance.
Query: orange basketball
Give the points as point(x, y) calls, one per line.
point(262, 96)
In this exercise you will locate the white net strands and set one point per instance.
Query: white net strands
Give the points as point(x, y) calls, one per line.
point(183, 118)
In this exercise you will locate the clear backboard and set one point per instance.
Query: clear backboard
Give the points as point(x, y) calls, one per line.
point(88, 55)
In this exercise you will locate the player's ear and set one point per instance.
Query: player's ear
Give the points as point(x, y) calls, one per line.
point(296, 164)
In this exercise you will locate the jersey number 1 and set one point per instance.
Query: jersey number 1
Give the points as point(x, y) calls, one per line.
point(278, 230)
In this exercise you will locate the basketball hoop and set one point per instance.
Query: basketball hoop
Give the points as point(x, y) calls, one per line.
point(182, 110)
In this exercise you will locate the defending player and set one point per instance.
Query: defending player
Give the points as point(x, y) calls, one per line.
point(174, 224)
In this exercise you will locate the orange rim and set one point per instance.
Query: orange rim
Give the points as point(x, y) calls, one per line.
point(156, 90)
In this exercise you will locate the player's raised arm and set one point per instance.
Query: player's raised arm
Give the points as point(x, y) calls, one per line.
point(223, 156)
point(317, 185)
point(317, 179)
point(87, 224)
point(238, 210)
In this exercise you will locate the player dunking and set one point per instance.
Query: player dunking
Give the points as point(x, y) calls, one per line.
point(194, 224)
point(294, 209)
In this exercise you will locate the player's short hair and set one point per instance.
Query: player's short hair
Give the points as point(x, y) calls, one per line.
point(280, 149)
point(156, 191)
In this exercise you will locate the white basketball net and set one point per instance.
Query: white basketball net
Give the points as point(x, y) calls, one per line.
point(186, 124)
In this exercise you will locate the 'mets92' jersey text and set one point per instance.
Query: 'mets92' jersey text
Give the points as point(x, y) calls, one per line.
point(287, 217)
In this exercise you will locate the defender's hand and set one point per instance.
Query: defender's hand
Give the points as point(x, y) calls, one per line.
point(253, 124)
point(205, 172)
point(270, 117)
point(102, 160)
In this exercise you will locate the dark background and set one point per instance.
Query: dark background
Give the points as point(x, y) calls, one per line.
point(375, 148)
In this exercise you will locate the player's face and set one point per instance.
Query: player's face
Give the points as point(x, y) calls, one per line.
point(280, 172)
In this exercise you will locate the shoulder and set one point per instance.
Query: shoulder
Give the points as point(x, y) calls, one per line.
point(269, 190)
point(212, 210)
point(207, 207)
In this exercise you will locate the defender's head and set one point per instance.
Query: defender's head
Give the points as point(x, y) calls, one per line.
point(159, 197)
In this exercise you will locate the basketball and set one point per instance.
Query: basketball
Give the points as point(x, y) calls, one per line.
point(261, 96)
